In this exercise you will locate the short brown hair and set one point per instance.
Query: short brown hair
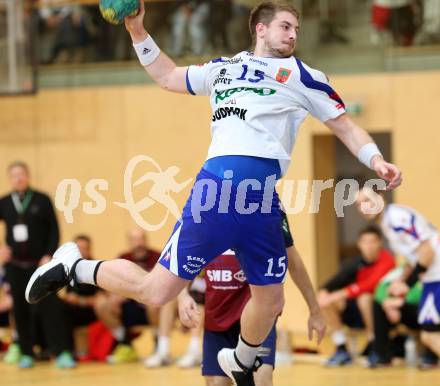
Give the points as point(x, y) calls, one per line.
point(83, 237)
point(371, 229)
point(265, 12)
point(18, 164)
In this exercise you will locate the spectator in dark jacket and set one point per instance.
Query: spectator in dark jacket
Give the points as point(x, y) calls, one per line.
point(32, 237)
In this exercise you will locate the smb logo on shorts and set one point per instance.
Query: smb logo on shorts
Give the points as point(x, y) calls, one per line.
point(283, 75)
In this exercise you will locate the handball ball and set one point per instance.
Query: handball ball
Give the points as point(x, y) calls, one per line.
point(114, 11)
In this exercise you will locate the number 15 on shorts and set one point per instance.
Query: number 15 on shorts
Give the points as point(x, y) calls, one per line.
point(278, 269)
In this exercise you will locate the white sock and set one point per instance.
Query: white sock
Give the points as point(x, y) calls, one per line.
point(85, 271)
point(246, 353)
point(163, 346)
point(339, 337)
point(119, 333)
point(194, 346)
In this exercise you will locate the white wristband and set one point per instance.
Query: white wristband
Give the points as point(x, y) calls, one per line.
point(147, 51)
point(367, 152)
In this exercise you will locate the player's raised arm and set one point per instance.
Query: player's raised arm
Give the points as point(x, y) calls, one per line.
point(158, 65)
point(360, 143)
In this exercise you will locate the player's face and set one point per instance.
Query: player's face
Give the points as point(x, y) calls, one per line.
point(281, 35)
point(370, 245)
point(137, 239)
point(19, 178)
point(84, 248)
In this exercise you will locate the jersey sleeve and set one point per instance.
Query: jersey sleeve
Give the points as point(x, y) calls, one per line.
point(318, 97)
point(411, 227)
point(197, 78)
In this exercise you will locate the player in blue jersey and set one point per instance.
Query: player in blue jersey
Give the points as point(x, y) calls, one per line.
point(258, 101)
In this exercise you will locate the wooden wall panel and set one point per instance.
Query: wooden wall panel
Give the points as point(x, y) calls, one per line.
point(93, 133)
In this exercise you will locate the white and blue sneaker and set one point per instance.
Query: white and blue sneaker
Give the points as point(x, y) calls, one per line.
point(231, 366)
point(54, 275)
point(339, 358)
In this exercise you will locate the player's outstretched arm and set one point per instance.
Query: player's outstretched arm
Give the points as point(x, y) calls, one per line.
point(157, 64)
point(360, 143)
point(301, 278)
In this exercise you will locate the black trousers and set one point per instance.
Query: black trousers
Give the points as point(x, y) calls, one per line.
point(44, 323)
point(382, 328)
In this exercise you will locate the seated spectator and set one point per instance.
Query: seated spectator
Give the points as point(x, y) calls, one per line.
point(220, 17)
point(347, 298)
point(5, 309)
point(167, 315)
point(398, 17)
point(193, 356)
point(81, 300)
point(71, 30)
point(390, 312)
point(238, 36)
point(120, 314)
point(193, 16)
point(430, 31)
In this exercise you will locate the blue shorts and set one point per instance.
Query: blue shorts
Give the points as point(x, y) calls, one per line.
point(213, 342)
point(429, 307)
point(247, 221)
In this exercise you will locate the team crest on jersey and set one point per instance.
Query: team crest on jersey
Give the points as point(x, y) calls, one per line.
point(283, 75)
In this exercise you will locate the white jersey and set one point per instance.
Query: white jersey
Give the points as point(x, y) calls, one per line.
point(259, 103)
point(405, 229)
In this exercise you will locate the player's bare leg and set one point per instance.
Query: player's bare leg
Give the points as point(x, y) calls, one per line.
point(332, 314)
point(257, 320)
point(218, 381)
point(126, 279)
point(264, 375)
point(120, 276)
point(431, 340)
point(260, 313)
point(166, 318)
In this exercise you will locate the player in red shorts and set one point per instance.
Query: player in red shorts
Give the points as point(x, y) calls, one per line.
point(227, 293)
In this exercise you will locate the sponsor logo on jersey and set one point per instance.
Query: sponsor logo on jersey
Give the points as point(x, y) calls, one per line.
point(240, 276)
point(224, 112)
point(220, 275)
point(258, 62)
point(283, 75)
point(221, 78)
point(227, 61)
point(224, 94)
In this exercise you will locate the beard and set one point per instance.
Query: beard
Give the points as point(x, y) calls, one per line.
point(280, 52)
